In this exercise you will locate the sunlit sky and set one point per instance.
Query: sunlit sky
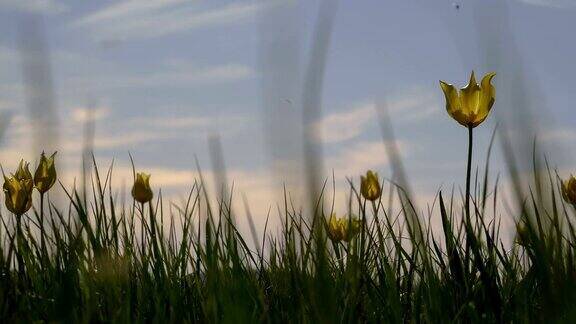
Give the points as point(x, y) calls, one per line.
point(162, 76)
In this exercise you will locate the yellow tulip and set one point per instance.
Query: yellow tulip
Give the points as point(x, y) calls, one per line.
point(470, 106)
point(334, 229)
point(569, 190)
point(351, 227)
point(45, 175)
point(522, 234)
point(343, 229)
point(141, 190)
point(18, 194)
point(370, 186)
point(23, 172)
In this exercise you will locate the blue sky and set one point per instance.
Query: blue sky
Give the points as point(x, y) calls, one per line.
point(161, 76)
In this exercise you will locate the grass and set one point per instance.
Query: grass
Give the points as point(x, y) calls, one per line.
point(104, 262)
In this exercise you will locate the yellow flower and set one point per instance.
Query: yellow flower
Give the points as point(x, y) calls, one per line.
point(369, 186)
point(23, 172)
point(343, 229)
point(141, 190)
point(569, 190)
point(522, 234)
point(471, 105)
point(45, 175)
point(18, 194)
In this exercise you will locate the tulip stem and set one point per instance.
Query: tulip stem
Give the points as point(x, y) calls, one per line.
point(468, 169)
point(42, 242)
point(142, 221)
point(153, 230)
point(19, 244)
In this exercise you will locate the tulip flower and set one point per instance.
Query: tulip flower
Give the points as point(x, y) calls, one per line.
point(569, 190)
point(18, 193)
point(470, 106)
point(141, 190)
point(370, 186)
point(343, 229)
point(522, 234)
point(23, 171)
point(45, 175)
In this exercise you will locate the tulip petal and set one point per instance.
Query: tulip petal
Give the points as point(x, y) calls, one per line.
point(453, 104)
point(488, 91)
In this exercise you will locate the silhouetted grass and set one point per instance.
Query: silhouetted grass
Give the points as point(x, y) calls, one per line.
point(198, 268)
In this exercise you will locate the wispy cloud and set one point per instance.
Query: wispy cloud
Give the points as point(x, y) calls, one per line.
point(190, 122)
point(551, 3)
point(166, 77)
point(34, 6)
point(135, 19)
point(356, 159)
point(414, 105)
point(561, 134)
point(82, 114)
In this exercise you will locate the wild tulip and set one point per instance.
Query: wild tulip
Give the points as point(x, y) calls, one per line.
point(141, 190)
point(23, 171)
point(18, 193)
point(470, 106)
point(370, 186)
point(334, 229)
point(45, 175)
point(569, 190)
point(343, 229)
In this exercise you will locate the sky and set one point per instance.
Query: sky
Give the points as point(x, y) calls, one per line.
point(159, 78)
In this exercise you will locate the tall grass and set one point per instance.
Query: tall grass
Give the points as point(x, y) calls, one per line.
point(106, 262)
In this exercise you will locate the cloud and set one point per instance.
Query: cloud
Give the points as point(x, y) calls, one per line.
point(342, 126)
point(132, 20)
point(413, 105)
point(90, 114)
point(165, 77)
point(34, 6)
point(190, 122)
point(356, 159)
point(126, 9)
point(550, 3)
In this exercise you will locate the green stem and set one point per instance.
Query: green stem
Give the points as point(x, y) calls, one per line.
point(142, 220)
point(152, 229)
point(19, 245)
point(42, 234)
point(468, 169)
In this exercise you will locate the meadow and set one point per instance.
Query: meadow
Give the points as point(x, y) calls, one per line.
point(95, 259)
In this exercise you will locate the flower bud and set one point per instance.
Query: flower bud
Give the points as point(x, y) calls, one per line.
point(343, 229)
point(522, 234)
point(569, 190)
point(141, 190)
point(23, 171)
point(18, 194)
point(351, 227)
point(45, 175)
point(370, 186)
point(334, 229)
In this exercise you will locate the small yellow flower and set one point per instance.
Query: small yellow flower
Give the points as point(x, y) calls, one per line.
point(18, 194)
point(141, 190)
point(471, 105)
point(343, 229)
point(45, 175)
point(370, 186)
point(334, 229)
point(23, 171)
point(569, 190)
point(522, 235)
